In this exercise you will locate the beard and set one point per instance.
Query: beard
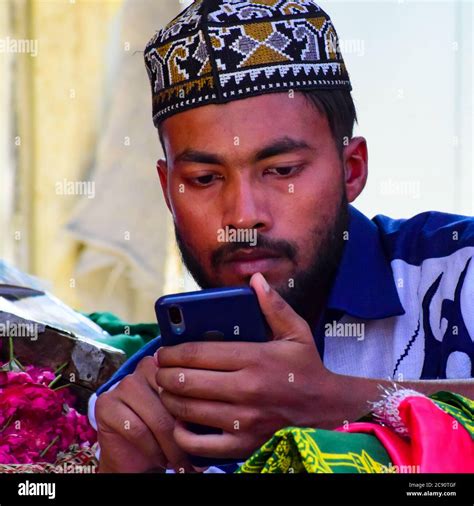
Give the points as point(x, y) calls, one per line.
point(307, 290)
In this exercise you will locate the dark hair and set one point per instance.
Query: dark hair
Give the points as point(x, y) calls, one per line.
point(338, 107)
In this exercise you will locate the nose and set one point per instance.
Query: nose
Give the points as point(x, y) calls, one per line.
point(245, 205)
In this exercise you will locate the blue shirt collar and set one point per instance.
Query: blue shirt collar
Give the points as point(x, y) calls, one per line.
point(364, 286)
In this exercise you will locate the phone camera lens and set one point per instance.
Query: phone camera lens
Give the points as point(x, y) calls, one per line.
point(175, 315)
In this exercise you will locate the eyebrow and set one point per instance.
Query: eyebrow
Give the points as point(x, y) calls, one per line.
point(281, 146)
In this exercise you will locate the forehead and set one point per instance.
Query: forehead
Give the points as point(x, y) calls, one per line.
point(249, 121)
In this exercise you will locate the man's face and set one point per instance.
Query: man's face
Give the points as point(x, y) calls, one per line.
point(269, 166)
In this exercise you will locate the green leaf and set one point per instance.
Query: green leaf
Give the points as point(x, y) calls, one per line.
point(7, 423)
point(62, 386)
point(61, 367)
point(43, 453)
point(54, 381)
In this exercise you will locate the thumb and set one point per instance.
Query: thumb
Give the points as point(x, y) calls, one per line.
point(284, 322)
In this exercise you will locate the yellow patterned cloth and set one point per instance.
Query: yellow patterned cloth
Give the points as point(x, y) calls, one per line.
point(459, 407)
point(404, 423)
point(296, 450)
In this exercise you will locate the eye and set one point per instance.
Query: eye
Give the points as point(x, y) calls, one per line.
point(284, 171)
point(204, 180)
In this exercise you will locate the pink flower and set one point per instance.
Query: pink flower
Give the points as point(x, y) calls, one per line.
point(40, 375)
point(3, 378)
point(33, 422)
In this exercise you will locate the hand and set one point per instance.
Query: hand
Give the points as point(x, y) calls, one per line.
point(249, 390)
point(135, 431)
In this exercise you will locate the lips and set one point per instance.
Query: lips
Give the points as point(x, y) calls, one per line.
point(250, 254)
point(246, 262)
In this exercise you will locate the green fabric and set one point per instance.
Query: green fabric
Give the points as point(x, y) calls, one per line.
point(129, 337)
point(296, 450)
point(459, 407)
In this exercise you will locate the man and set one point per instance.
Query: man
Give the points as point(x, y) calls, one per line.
point(252, 103)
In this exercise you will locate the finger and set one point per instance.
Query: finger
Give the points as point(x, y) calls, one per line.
point(117, 455)
point(149, 408)
point(147, 368)
point(200, 383)
point(220, 415)
point(126, 425)
point(281, 317)
point(219, 446)
point(230, 356)
point(161, 423)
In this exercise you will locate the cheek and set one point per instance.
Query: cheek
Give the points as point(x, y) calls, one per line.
point(186, 211)
point(196, 224)
point(309, 214)
point(313, 201)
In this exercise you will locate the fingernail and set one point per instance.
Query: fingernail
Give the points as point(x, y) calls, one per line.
point(160, 389)
point(265, 284)
point(155, 356)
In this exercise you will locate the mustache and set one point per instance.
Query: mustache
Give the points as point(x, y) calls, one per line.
point(278, 247)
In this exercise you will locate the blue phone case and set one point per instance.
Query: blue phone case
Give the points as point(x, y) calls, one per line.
point(218, 314)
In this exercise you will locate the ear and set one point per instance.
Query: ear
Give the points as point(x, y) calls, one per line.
point(162, 169)
point(355, 167)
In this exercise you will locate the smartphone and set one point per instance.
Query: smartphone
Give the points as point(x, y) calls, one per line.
point(217, 314)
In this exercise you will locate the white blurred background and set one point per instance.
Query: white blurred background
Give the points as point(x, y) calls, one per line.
point(411, 66)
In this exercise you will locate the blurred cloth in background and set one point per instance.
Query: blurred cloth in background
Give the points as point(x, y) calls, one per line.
point(81, 204)
point(126, 229)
